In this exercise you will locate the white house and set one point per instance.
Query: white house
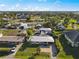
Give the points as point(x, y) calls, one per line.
point(45, 30)
point(41, 39)
point(25, 25)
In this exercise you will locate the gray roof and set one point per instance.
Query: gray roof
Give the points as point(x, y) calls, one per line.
point(41, 39)
point(11, 39)
point(45, 29)
point(73, 35)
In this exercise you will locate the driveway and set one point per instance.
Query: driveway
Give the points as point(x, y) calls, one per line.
point(51, 51)
point(11, 56)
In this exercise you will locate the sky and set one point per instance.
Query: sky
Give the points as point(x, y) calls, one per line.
point(39, 5)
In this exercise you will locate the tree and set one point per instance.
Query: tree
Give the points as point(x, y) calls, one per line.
point(30, 32)
point(38, 50)
point(3, 22)
point(66, 21)
point(53, 22)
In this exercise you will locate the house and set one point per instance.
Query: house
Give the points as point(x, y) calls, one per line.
point(21, 17)
point(41, 39)
point(12, 39)
point(77, 22)
point(72, 37)
point(61, 27)
point(22, 33)
point(38, 26)
point(43, 32)
point(46, 30)
point(28, 25)
point(25, 25)
point(5, 18)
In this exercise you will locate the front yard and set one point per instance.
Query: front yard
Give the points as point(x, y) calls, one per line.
point(29, 51)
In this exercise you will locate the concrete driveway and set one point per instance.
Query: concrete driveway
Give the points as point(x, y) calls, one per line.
point(51, 53)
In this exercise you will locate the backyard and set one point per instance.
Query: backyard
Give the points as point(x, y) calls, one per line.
point(29, 51)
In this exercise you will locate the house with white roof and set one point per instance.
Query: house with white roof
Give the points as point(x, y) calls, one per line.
point(25, 25)
point(41, 39)
point(46, 30)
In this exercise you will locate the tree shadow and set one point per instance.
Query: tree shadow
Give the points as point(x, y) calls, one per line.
point(28, 45)
point(68, 49)
point(4, 53)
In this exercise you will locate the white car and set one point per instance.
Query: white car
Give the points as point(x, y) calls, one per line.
point(13, 50)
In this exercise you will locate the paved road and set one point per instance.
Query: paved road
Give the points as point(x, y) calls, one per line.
point(11, 56)
point(52, 53)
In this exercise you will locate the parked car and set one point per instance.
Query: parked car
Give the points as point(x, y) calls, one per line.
point(13, 50)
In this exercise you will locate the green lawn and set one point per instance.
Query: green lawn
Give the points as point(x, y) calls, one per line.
point(5, 49)
point(42, 56)
point(62, 55)
point(70, 27)
point(9, 32)
point(28, 51)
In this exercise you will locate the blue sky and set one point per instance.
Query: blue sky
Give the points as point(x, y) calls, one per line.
point(39, 5)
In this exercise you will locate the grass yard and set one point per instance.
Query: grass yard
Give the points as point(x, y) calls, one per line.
point(28, 51)
point(4, 51)
point(9, 32)
point(13, 21)
point(42, 56)
point(69, 27)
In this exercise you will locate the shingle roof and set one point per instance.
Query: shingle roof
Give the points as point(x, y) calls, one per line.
point(45, 29)
point(73, 35)
point(41, 39)
point(11, 39)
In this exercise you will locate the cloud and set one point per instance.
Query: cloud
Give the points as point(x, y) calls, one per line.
point(17, 5)
point(2, 5)
point(55, 5)
point(36, 8)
